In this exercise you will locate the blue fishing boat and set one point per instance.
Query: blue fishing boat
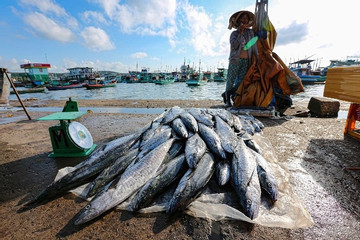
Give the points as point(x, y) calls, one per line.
point(37, 73)
point(209, 75)
point(63, 86)
point(304, 71)
point(163, 79)
point(101, 83)
point(220, 75)
point(196, 79)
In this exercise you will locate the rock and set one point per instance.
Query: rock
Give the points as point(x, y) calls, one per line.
point(296, 111)
point(324, 107)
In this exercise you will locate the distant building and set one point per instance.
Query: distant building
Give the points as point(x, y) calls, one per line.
point(37, 72)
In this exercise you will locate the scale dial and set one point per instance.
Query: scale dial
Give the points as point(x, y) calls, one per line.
point(80, 135)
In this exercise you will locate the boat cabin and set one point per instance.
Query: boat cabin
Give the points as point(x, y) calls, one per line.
point(80, 73)
point(37, 72)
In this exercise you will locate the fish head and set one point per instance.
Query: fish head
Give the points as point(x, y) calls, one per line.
point(89, 212)
point(272, 189)
point(251, 208)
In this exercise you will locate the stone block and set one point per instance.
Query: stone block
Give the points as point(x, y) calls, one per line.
point(323, 107)
point(296, 111)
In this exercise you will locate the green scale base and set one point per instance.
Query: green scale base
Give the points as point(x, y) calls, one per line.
point(61, 140)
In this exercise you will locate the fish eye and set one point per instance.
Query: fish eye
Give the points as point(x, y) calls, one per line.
point(87, 207)
point(269, 184)
point(248, 202)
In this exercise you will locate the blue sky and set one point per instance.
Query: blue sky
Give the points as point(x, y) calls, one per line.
point(123, 35)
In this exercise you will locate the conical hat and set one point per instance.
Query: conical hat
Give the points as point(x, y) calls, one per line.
point(234, 18)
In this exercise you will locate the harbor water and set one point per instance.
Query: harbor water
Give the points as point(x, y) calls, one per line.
point(151, 91)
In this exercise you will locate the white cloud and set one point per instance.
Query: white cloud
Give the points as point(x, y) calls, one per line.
point(46, 27)
point(97, 65)
point(92, 16)
point(46, 6)
point(96, 39)
point(139, 55)
point(51, 10)
point(209, 37)
point(295, 32)
point(200, 25)
point(150, 17)
point(333, 28)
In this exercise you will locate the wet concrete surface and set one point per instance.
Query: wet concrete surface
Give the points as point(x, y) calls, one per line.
point(315, 151)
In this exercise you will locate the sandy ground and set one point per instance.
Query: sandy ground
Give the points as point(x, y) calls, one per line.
point(317, 154)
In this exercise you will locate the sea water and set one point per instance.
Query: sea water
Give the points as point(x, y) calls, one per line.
point(151, 91)
point(148, 91)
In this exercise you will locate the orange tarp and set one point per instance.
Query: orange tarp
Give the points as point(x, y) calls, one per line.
point(266, 72)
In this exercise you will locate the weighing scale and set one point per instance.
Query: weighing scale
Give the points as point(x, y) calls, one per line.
point(69, 138)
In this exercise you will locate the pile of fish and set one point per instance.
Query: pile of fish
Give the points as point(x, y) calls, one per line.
point(185, 147)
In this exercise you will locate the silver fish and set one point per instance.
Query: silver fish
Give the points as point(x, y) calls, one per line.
point(171, 114)
point(130, 181)
point(189, 121)
point(266, 177)
point(223, 114)
point(180, 128)
point(157, 138)
point(226, 134)
point(201, 116)
point(247, 126)
point(192, 183)
point(109, 173)
point(176, 149)
point(251, 143)
point(253, 120)
point(155, 127)
point(245, 180)
point(222, 171)
point(212, 140)
point(82, 172)
point(194, 149)
point(237, 123)
point(165, 176)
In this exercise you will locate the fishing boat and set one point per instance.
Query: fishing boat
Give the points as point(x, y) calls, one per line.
point(209, 75)
point(341, 63)
point(131, 77)
point(305, 72)
point(29, 90)
point(37, 73)
point(220, 75)
point(163, 79)
point(196, 79)
point(101, 83)
point(145, 76)
point(80, 74)
point(63, 86)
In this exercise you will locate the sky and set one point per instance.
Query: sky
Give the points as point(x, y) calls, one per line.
point(127, 35)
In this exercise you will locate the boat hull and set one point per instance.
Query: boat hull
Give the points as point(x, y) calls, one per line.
point(164, 82)
point(96, 86)
point(219, 79)
point(29, 90)
point(312, 79)
point(64, 87)
point(192, 82)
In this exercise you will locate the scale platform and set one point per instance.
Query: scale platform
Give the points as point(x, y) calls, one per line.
point(69, 138)
point(63, 116)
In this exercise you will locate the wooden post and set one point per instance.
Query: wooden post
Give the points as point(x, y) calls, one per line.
point(17, 94)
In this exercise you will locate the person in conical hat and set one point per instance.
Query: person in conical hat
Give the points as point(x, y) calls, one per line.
point(240, 57)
